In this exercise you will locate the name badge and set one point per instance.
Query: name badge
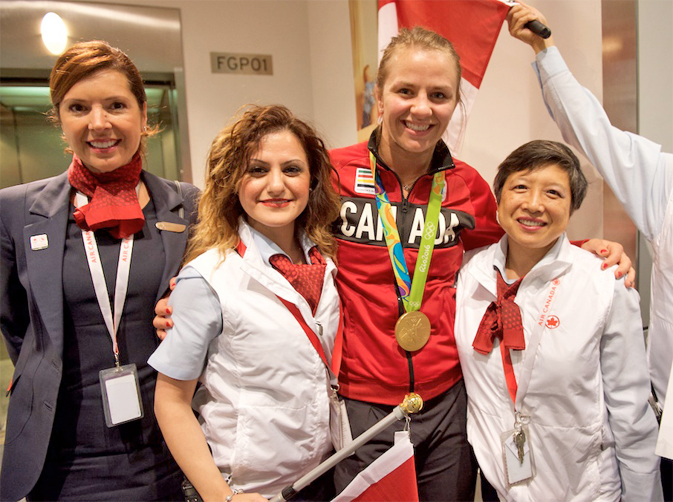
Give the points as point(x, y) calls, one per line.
point(39, 242)
point(517, 456)
point(121, 395)
point(340, 427)
point(170, 227)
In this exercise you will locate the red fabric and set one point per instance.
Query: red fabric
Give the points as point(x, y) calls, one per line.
point(502, 320)
point(473, 26)
point(399, 485)
point(113, 201)
point(307, 279)
point(374, 368)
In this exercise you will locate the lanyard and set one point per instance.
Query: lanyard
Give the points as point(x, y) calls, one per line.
point(518, 391)
point(332, 369)
point(98, 279)
point(410, 292)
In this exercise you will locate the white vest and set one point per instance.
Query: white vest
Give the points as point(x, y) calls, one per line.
point(264, 399)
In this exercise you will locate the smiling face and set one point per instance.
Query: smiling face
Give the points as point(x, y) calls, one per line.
point(534, 208)
point(102, 120)
point(416, 102)
point(275, 189)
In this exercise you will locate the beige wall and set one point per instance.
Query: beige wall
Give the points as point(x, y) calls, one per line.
point(509, 110)
point(311, 48)
point(310, 45)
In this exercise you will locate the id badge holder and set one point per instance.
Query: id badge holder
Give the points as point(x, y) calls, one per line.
point(121, 394)
point(517, 470)
point(340, 427)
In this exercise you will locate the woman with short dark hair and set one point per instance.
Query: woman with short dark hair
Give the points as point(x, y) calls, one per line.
point(552, 349)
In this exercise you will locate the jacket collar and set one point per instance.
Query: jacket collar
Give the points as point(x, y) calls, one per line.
point(441, 157)
point(554, 264)
point(53, 197)
point(49, 213)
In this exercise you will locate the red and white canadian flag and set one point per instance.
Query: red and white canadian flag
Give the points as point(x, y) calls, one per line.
point(391, 477)
point(472, 26)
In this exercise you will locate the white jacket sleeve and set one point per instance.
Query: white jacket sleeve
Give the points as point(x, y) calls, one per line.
point(638, 172)
point(626, 386)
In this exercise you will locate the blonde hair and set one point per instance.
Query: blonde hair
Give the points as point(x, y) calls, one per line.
point(230, 153)
point(420, 38)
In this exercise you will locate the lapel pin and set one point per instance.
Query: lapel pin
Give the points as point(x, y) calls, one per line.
point(39, 242)
point(170, 227)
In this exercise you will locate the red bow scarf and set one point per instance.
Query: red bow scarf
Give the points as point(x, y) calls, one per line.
point(113, 201)
point(308, 279)
point(502, 320)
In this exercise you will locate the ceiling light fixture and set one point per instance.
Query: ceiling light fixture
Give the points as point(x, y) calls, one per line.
point(54, 33)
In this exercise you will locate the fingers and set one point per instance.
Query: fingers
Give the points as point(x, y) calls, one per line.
point(518, 16)
point(162, 321)
point(614, 255)
point(624, 268)
point(630, 281)
point(162, 309)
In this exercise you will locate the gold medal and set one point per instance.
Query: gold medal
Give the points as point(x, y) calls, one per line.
point(412, 330)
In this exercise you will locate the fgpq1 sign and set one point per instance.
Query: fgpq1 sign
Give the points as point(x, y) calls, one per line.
point(243, 64)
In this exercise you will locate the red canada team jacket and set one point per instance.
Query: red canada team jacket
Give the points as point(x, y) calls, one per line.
point(374, 368)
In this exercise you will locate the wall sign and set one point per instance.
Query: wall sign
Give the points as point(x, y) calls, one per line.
point(243, 64)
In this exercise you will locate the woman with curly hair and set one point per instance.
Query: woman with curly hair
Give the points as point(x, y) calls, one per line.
point(256, 314)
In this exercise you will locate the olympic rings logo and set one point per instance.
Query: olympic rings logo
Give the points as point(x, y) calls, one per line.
point(430, 230)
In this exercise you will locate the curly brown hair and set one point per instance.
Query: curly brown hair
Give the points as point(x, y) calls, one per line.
point(227, 164)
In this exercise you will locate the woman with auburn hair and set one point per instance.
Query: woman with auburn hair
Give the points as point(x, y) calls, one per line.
point(85, 255)
point(256, 315)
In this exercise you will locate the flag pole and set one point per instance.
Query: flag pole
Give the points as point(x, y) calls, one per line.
point(412, 404)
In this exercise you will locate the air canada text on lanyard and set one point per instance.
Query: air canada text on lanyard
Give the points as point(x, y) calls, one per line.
point(412, 330)
point(119, 385)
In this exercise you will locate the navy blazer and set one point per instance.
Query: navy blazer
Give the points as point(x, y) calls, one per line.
point(31, 308)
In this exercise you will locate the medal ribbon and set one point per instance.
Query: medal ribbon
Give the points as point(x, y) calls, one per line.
point(112, 320)
point(410, 292)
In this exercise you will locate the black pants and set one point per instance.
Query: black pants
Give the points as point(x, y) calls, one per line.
point(445, 465)
point(667, 478)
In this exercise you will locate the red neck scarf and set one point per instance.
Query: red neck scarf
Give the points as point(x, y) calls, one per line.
point(113, 203)
point(502, 320)
point(307, 279)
